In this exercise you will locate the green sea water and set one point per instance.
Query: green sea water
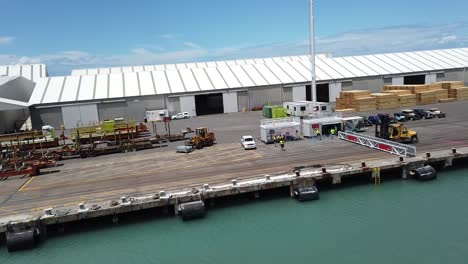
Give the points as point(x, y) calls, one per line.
point(396, 222)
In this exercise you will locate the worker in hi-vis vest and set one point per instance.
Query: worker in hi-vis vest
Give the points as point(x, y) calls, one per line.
point(274, 139)
point(318, 134)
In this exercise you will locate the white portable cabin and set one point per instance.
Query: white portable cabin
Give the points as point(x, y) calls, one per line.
point(297, 108)
point(306, 108)
point(288, 127)
point(309, 126)
point(156, 115)
point(354, 124)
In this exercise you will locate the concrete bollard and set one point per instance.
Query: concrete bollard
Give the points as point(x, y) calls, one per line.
point(428, 155)
point(124, 200)
point(48, 213)
point(82, 208)
point(234, 182)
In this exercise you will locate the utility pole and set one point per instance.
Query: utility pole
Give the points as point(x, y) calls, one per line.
point(312, 54)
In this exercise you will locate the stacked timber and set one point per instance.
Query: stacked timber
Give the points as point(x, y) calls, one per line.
point(386, 100)
point(405, 97)
point(407, 100)
point(412, 88)
point(427, 97)
point(448, 85)
point(460, 93)
point(364, 104)
point(360, 100)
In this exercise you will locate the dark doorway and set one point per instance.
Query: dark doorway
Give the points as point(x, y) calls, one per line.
point(415, 79)
point(323, 93)
point(208, 104)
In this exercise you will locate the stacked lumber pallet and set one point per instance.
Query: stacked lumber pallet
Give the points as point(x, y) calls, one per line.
point(412, 88)
point(386, 100)
point(448, 85)
point(460, 93)
point(427, 97)
point(364, 104)
point(360, 100)
point(405, 97)
point(407, 100)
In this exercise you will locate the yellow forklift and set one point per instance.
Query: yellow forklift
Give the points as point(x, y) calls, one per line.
point(395, 132)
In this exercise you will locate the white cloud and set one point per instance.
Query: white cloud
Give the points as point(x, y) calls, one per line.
point(393, 39)
point(169, 36)
point(192, 45)
point(6, 40)
point(448, 39)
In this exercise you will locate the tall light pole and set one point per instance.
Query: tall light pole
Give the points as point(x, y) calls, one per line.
point(312, 54)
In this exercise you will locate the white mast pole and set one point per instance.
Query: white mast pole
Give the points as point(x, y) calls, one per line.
point(312, 54)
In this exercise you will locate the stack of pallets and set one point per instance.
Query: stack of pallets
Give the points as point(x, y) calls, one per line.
point(460, 93)
point(359, 100)
point(386, 100)
point(405, 97)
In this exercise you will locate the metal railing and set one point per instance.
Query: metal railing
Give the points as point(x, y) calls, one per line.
point(379, 144)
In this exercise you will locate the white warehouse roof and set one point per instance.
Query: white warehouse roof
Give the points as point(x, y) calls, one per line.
point(31, 72)
point(106, 83)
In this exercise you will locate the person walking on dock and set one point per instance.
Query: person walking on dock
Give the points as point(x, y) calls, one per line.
point(282, 145)
point(274, 140)
point(317, 134)
point(332, 133)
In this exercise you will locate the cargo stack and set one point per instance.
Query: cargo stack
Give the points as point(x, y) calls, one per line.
point(459, 93)
point(405, 97)
point(359, 100)
point(386, 100)
point(428, 97)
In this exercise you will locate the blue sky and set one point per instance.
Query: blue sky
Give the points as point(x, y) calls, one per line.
point(67, 35)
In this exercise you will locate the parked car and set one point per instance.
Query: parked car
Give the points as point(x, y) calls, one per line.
point(248, 142)
point(366, 122)
point(399, 117)
point(410, 114)
point(437, 113)
point(374, 120)
point(423, 114)
point(391, 119)
point(183, 115)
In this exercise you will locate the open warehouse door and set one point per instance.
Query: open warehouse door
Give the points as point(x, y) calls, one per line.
point(415, 79)
point(209, 104)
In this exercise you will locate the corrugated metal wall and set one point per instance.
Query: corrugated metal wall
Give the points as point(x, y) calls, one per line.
point(173, 105)
point(46, 116)
point(113, 110)
point(243, 100)
point(263, 95)
point(138, 107)
point(372, 84)
point(288, 94)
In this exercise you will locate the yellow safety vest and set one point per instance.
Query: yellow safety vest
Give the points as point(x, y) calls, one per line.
point(317, 131)
point(333, 131)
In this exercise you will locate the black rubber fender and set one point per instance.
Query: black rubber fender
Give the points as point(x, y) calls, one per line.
point(22, 239)
point(192, 210)
point(425, 173)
